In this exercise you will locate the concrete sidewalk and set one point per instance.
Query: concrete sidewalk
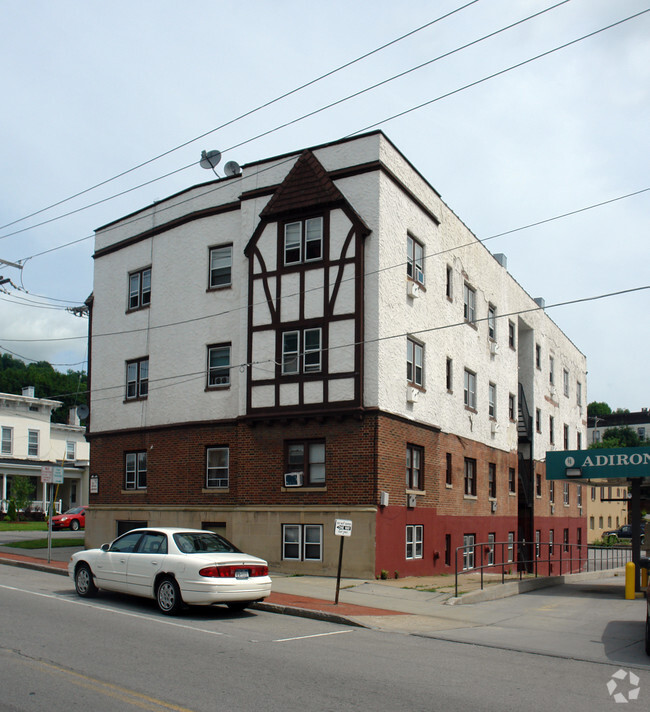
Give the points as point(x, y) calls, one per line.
point(422, 604)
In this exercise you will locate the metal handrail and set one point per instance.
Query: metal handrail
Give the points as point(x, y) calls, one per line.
point(566, 558)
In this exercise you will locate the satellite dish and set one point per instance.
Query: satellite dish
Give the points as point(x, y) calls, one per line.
point(82, 411)
point(210, 160)
point(232, 168)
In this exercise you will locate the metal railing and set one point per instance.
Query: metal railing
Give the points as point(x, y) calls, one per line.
point(545, 559)
point(38, 505)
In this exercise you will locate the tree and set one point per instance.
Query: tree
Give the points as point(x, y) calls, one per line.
point(22, 491)
point(598, 408)
point(619, 436)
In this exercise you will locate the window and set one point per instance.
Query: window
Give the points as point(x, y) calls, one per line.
point(447, 549)
point(565, 382)
point(490, 552)
point(302, 542)
point(566, 540)
point(579, 495)
point(32, 443)
point(468, 551)
point(551, 370)
point(578, 393)
point(7, 440)
point(592, 523)
point(449, 288)
point(538, 485)
point(414, 464)
point(512, 480)
point(414, 363)
point(600, 522)
point(593, 494)
point(217, 467)
point(551, 429)
point(578, 441)
point(219, 366)
point(414, 541)
point(70, 450)
point(448, 471)
point(538, 540)
point(307, 457)
point(492, 480)
point(140, 288)
point(551, 491)
point(512, 407)
point(492, 322)
point(492, 400)
point(469, 304)
point(538, 357)
point(137, 379)
point(136, 470)
point(609, 520)
point(551, 538)
point(566, 494)
point(538, 420)
point(469, 392)
point(311, 351)
point(470, 477)
point(565, 431)
point(303, 241)
point(511, 335)
point(220, 266)
point(414, 259)
point(511, 546)
point(449, 374)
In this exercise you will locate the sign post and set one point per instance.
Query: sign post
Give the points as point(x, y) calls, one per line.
point(342, 528)
point(47, 477)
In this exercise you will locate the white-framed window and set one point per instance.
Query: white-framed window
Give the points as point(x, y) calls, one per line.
point(414, 536)
point(302, 542)
point(469, 541)
point(414, 467)
point(470, 477)
point(469, 389)
point(469, 303)
point(538, 542)
point(492, 322)
point(565, 382)
point(140, 288)
point(511, 546)
point(551, 540)
point(220, 273)
point(492, 400)
point(219, 366)
point(414, 362)
point(137, 379)
point(566, 494)
point(70, 450)
point(217, 467)
point(310, 341)
point(303, 241)
point(512, 407)
point(414, 259)
point(579, 495)
point(7, 440)
point(307, 457)
point(32, 443)
point(135, 470)
point(490, 551)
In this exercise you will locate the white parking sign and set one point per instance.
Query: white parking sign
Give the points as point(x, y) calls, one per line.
point(343, 527)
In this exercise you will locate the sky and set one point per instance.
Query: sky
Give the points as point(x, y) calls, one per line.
point(509, 139)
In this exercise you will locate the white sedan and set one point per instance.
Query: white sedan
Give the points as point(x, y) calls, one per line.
point(175, 566)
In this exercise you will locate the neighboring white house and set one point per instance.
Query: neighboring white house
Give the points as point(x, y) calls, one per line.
point(29, 441)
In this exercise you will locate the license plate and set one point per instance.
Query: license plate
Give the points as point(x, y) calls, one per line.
point(241, 574)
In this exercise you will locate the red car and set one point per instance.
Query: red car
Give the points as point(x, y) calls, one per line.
point(74, 519)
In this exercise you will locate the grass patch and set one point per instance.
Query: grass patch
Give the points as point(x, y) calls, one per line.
point(23, 526)
point(42, 543)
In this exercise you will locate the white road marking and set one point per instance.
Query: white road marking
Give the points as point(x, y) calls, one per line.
point(315, 635)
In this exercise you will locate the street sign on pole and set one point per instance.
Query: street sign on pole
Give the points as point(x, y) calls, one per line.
point(47, 473)
point(57, 475)
point(342, 528)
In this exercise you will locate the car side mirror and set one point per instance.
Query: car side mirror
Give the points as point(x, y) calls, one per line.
point(106, 547)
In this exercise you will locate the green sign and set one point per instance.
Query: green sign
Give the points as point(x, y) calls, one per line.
point(601, 463)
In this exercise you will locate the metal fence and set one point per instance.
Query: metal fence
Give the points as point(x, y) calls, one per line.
point(516, 559)
point(38, 505)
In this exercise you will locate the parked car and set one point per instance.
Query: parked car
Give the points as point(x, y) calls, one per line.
point(624, 532)
point(74, 519)
point(174, 566)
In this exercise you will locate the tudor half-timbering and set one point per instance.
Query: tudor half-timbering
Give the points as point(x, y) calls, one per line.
point(321, 338)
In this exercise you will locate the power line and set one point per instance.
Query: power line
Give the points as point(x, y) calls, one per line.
point(320, 110)
point(243, 116)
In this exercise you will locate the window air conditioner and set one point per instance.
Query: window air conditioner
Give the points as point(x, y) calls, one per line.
point(494, 348)
point(494, 427)
point(412, 394)
point(412, 500)
point(494, 506)
point(413, 289)
point(293, 479)
point(552, 509)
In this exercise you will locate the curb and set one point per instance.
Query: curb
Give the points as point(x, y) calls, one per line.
point(33, 565)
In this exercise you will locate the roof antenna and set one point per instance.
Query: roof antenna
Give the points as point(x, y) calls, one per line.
point(210, 160)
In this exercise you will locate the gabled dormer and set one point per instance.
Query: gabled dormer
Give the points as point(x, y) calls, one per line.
point(305, 326)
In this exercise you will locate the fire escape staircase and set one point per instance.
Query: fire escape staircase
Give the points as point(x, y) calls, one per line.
point(524, 420)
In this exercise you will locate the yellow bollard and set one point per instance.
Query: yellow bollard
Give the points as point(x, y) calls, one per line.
point(630, 570)
point(644, 577)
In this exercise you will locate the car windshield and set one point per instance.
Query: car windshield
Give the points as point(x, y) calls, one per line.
point(75, 510)
point(203, 543)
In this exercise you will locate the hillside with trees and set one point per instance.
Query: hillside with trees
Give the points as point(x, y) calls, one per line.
point(70, 388)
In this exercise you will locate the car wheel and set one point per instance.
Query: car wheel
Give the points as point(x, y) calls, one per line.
point(168, 597)
point(83, 581)
point(238, 605)
point(74, 525)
